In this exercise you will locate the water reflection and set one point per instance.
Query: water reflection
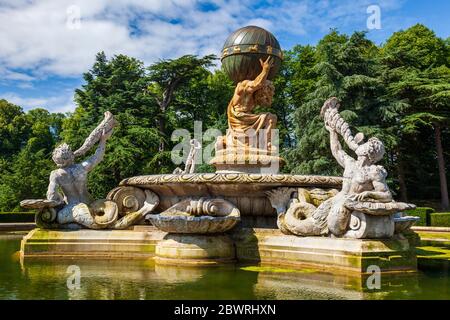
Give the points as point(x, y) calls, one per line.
point(314, 285)
point(138, 280)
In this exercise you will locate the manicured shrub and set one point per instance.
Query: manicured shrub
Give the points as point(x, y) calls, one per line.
point(424, 214)
point(6, 217)
point(440, 219)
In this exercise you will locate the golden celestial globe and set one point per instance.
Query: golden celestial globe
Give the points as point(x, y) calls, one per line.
point(243, 49)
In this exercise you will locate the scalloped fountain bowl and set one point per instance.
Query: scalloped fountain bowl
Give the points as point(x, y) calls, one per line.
point(244, 190)
point(197, 225)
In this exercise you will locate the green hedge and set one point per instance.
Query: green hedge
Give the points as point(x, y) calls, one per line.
point(440, 219)
point(424, 213)
point(16, 217)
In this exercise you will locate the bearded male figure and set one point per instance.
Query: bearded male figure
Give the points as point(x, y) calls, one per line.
point(364, 187)
point(243, 124)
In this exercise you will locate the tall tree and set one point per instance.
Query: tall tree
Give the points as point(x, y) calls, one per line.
point(25, 173)
point(14, 129)
point(118, 85)
point(344, 67)
point(416, 75)
point(166, 77)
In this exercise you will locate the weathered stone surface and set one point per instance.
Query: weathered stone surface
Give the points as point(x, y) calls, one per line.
point(261, 246)
point(404, 223)
point(364, 226)
point(329, 254)
point(39, 203)
point(233, 160)
point(69, 204)
point(177, 249)
point(199, 216)
point(41, 243)
point(364, 206)
point(246, 191)
point(272, 180)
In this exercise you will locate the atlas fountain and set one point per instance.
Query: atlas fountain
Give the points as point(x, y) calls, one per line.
point(245, 212)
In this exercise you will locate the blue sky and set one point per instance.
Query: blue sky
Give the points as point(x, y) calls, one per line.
point(45, 48)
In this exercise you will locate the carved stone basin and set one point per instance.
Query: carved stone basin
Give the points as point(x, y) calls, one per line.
point(197, 225)
point(404, 223)
point(199, 216)
point(246, 191)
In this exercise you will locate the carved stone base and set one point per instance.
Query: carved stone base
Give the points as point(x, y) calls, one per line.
point(117, 244)
point(364, 226)
point(244, 245)
point(246, 191)
point(247, 161)
point(269, 246)
point(203, 250)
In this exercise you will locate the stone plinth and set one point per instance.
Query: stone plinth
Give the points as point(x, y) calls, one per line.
point(139, 243)
point(270, 246)
point(244, 245)
point(247, 161)
point(199, 250)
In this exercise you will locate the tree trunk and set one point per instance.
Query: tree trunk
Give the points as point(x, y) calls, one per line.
point(441, 165)
point(162, 130)
point(163, 106)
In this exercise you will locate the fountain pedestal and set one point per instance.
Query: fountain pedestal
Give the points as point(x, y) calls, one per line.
point(270, 246)
point(243, 245)
point(197, 250)
point(137, 243)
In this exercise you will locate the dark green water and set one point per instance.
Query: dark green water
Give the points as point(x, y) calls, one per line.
point(128, 279)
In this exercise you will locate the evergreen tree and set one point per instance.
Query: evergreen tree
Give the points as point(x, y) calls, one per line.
point(118, 85)
point(416, 75)
point(344, 67)
point(24, 175)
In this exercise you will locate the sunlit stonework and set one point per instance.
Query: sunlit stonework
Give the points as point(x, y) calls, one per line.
point(246, 211)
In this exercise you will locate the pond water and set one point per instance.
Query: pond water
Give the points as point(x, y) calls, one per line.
point(137, 279)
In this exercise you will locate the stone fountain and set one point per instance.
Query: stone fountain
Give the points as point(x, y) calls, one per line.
point(244, 212)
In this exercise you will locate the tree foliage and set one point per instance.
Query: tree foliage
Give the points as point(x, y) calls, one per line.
point(27, 140)
point(399, 91)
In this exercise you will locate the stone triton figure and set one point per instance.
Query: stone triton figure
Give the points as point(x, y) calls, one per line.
point(72, 177)
point(364, 189)
point(74, 207)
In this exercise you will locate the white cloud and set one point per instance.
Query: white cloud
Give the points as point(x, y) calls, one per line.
point(62, 103)
point(7, 74)
point(35, 34)
point(35, 37)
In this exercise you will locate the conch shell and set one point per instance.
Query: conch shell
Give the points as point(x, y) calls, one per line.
point(107, 124)
point(333, 119)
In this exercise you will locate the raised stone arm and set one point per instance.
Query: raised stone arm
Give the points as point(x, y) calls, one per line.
point(336, 148)
point(97, 157)
point(107, 125)
point(252, 86)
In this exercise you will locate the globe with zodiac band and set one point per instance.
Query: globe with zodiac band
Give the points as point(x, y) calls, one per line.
point(243, 49)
